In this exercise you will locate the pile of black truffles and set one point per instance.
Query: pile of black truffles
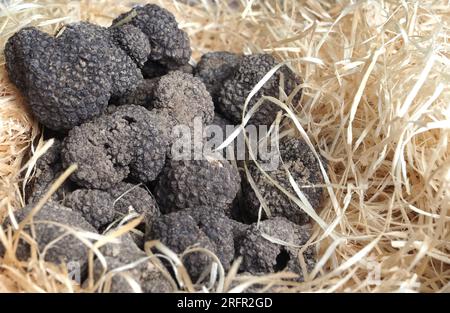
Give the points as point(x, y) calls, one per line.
point(110, 98)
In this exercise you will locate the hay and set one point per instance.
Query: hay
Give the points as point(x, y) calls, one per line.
point(376, 104)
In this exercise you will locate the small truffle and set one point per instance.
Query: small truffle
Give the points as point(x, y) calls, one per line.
point(96, 206)
point(214, 68)
point(145, 273)
point(46, 230)
point(205, 227)
point(185, 97)
point(170, 45)
point(250, 70)
point(260, 254)
point(298, 158)
point(192, 183)
point(127, 195)
point(134, 42)
point(130, 141)
point(69, 79)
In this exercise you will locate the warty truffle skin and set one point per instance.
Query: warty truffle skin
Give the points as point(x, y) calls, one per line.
point(260, 255)
point(130, 141)
point(214, 68)
point(207, 227)
point(69, 79)
point(170, 45)
point(193, 183)
point(185, 97)
point(304, 168)
point(125, 252)
point(235, 90)
point(133, 41)
point(68, 248)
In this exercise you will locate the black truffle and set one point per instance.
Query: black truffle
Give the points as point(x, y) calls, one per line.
point(133, 41)
point(192, 183)
point(145, 273)
point(202, 226)
point(170, 46)
point(47, 229)
point(262, 254)
point(250, 70)
point(216, 67)
point(96, 206)
point(304, 168)
point(69, 79)
point(184, 97)
point(129, 141)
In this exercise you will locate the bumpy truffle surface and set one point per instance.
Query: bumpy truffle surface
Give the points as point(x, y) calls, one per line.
point(134, 42)
point(193, 183)
point(129, 141)
point(304, 168)
point(127, 195)
point(185, 97)
point(214, 68)
point(170, 45)
point(96, 206)
point(66, 249)
point(102, 207)
point(125, 252)
point(260, 255)
point(207, 227)
point(250, 70)
point(68, 79)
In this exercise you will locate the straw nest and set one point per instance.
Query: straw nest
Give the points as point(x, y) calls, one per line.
point(376, 105)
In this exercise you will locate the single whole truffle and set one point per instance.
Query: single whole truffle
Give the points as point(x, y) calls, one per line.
point(192, 183)
point(130, 141)
point(69, 79)
point(169, 45)
point(260, 254)
point(47, 229)
point(134, 42)
point(96, 206)
point(184, 97)
point(125, 252)
point(202, 226)
point(216, 67)
point(235, 90)
point(304, 168)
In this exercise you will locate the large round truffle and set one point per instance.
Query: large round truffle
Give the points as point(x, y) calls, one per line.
point(298, 158)
point(235, 90)
point(184, 97)
point(48, 233)
point(69, 79)
point(170, 45)
point(192, 183)
point(274, 246)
